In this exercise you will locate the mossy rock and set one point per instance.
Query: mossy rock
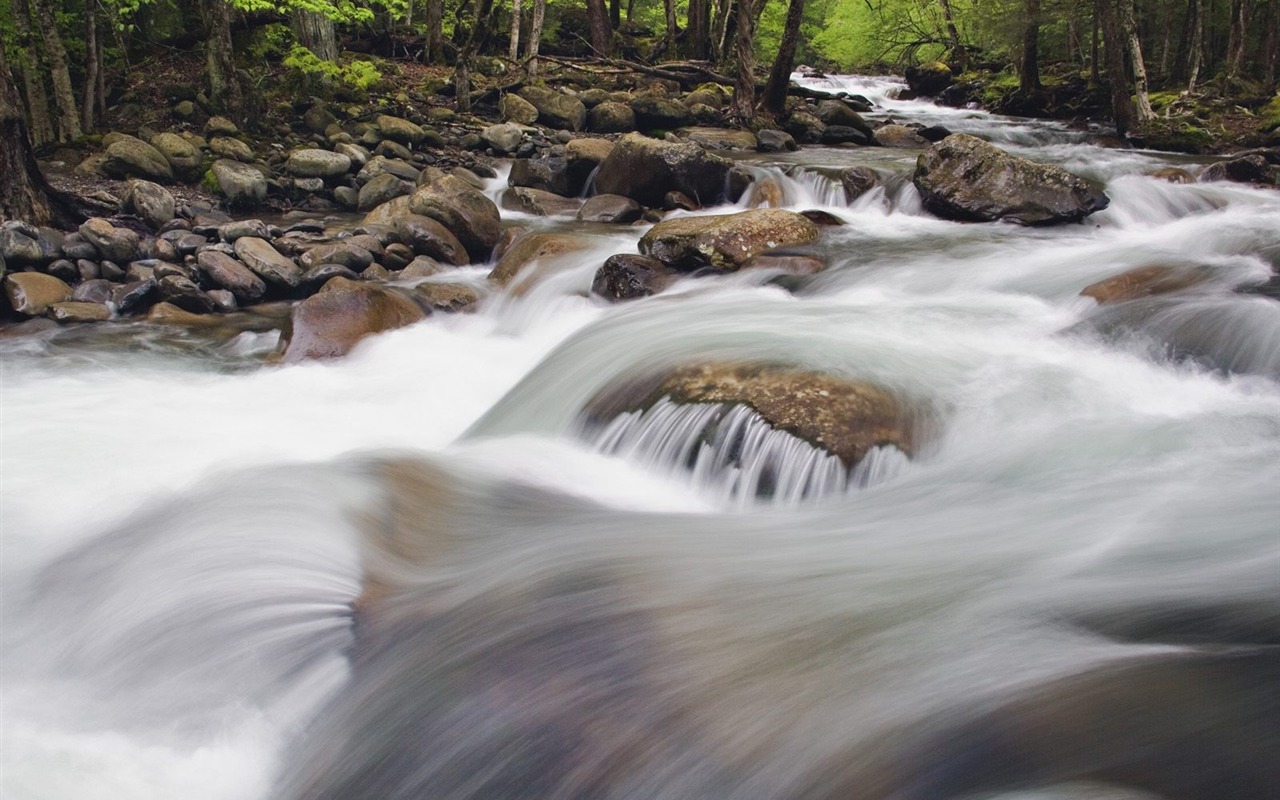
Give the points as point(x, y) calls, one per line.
point(1176, 135)
point(1270, 115)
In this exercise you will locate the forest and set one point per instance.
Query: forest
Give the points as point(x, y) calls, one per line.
point(1166, 69)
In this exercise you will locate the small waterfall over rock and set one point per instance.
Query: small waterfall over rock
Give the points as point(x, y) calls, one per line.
point(733, 453)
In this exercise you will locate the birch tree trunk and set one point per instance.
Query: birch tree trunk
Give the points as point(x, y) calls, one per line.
point(92, 65)
point(535, 35)
point(1196, 48)
point(513, 50)
point(1142, 102)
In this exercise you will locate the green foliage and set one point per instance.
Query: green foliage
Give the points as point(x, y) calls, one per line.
point(356, 74)
point(271, 41)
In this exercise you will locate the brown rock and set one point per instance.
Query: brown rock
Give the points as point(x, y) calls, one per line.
point(72, 311)
point(448, 297)
point(464, 210)
point(725, 241)
point(31, 293)
point(330, 323)
point(541, 247)
point(1144, 282)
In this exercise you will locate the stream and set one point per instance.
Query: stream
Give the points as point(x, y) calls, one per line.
point(1071, 592)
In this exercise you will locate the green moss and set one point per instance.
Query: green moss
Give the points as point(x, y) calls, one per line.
point(1270, 114)
point(210, 183)
point(1176, 135)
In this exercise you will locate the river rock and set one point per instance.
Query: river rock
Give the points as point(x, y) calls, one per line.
point(448, 297)
point(899, 136)
point(843, 134)
point(805, 127)
point(611, 117)
point(184, 158)
point(348, 254)
point(582, 156)
point(548, 174)
point(504, 138)
point(420, 267)
point(1173, 175)
point(626, 276)
point(134, 295)
point(1246, 169)
point(239, 229)
point(1146, 281)
point(845, 417)
point(224, 271)
point(719, 139)
point(536, 246)
point(427, 237)
point(114, 244)
point(837, 112)
point(381, 189)
point(556, 110)
point(381, 165)
point(538, 202)
point(857, 181)
point(331, 322)
point(725, 241)
point(267, 262)
point(185, 294)
point(31, 293)
point(130, 157)
point(654, 112)
point(243, 185)
point(611, 208)
point(165, 313)
point(220, 126)
point(400, 130)
point(774, 141)
point(964, 178)
point(464, 210)
point(19, 247)
point(313, 163)
point(93, 290)
point(151, 202)
point(232, 148)
point(515, 108)
point(927, 80)
point(72, 312)
point(645, 170)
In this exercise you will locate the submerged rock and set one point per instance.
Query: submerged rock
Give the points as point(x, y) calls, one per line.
point(1144, 282)
point(627, 276)
point(725, 241)
point(964, 178)
point(532, 247)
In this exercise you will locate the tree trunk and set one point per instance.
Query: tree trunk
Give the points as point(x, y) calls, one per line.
point(224, 85)
point(1121, 106)
point(435, 32)
point(699, 27)
point(1142, 102)
point(1094, 69)
point(315, 32)
point(92, 65)
point(513, 50)
point(1270, 47)
point(466, 38)
point(24, 194)
point(55, 56)
point(775, 91)
point(39, 122)
point(744, 88)
point(669, 7)
point(615, 13)
point(720, 34)
point(1237, 42)
point(535, 35)
point(1029, 70)
point(958, 53)
point(1196, 46)
point(601, 33)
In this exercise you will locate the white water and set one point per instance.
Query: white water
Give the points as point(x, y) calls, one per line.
point(1083, 470)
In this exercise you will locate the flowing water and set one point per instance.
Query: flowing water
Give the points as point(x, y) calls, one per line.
point(421, 571)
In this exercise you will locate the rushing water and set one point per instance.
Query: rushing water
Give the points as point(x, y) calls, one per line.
point(1073, 591)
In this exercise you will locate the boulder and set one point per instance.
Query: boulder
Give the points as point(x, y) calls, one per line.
point(151, 202)
point(627, 276)
point(464, 210)
point(837, 112)
point(381, 165)
point(515, 108)
point(427, 237)
point(114, 244)
point(719, 138)
point(646, 169)
point(964, 178)
point(538, 202)
point(504, 138)
point(1246, 169)
point(654, 112)
point(789, 261)
point(556, 110)
point(243, 185)
point(267, 262)
point(447, 297)
point(130, 157)
point(31, 293)
point(134, 295)
point(400, 130)
point(548, 174)
point(93, 290)
point(843, 134)
point(225, 272)
point(183, 292)
point(165, 313)
point(1173, 175)
point(845, 417)
point(388, 213)
point(381, 189)
point(536, 246)
point(1146, 281)
point(220, 126)
point(857, 181)
point(611, 208)
point(420, 267)
point(899, 136)
point(927, 80)
point(611, 117)
point(772, 141)
point(582, 156)
point(18, 247)
point(348, 254)
point(184, 158)
point(242, 228)
point(331, 322)
point(725, 241)
point(314, 163)
point(805, 127)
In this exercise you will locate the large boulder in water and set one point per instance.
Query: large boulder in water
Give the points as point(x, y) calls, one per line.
point(846, 417)
point(1146, 281)
point(725, 241)
point(537, 246)
point(464, 210)
point(964, 178)
point(646, 169)
point(330, 323)
point(929, 79)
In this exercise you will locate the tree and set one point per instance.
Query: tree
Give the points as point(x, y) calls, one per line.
point(744, 88)
point(535, 35)
point(601, 33)
point(315, 31)
point(24, 193)
point(775, 91)
point(224, 85)
point(513, 52)
point(55, 56)
point(1029, 68)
